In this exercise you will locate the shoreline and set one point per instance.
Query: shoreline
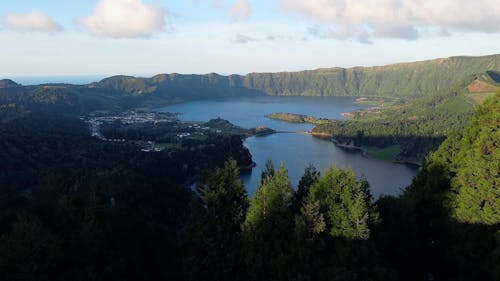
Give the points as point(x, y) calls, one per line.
point(359, 148)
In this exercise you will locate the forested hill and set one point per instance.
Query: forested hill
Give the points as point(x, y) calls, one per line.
point(449, 218)
point(408, 130)
point(7, 83)
point(467, 166)
point(397, 80)
point(406, 80)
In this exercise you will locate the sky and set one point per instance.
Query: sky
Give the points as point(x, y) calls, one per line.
point(146, 37)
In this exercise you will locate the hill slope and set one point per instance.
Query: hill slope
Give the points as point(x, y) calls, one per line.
point(7, 83)
point(449, 217)
point(397, 80)
point(470, 165)
point(405, 80)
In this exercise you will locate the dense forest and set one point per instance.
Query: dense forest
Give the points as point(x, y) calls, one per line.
point(77, 208)
point(420, 79)
point(415, 127)
point(436, 98)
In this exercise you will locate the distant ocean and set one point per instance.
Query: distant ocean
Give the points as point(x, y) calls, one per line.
point(36, 80)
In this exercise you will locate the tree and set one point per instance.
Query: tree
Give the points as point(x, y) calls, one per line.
point(333, 230)
point(343, 201)
point(213, 231)
point(268, 171)
point(452, 205)
point(311, 175)
point(308, 243)
point(266, 230)
point(477, 180)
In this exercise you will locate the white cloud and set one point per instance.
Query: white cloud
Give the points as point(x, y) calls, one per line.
point(240, 10)
point(125, 19)
point(243, 39)
point(31, 22)
point(399, 18)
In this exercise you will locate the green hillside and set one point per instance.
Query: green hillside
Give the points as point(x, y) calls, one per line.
point(449, 217)
point(413, 126)
point(404, 81)
point(397, 80)
point(470, 165)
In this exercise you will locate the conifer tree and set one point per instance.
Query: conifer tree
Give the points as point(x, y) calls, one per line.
point(343, 201)
point(311, 175)
point(268, 171)
point(213, 232)
point(266, 230)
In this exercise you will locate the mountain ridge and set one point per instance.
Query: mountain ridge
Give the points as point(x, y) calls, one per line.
point(408, 79)
point(404, 81)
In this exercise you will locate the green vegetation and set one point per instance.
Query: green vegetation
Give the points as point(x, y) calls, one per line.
point(74, 207)
point(211, 237)
point(417, 127)
point(375, 101)
point(448, 218)
point(398, 80)
point(343, 201)
point(77, 208)
point(389, 153)
point(471, 165)
point(423, 101)
point(405, 80)
point(407, 131)
point(297, 118)
point(266, 229)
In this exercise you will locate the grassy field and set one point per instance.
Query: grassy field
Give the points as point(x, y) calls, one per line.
point(478, 98)
point(388, 153)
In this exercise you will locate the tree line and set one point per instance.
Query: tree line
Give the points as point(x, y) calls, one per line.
point(109, 212)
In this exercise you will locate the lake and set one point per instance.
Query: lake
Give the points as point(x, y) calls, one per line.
point(295, 148)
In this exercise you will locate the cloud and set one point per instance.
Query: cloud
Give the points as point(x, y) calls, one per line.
point(31, 22)
point(125, 19)
point(358, 34)
point(243, 39)
point(405, 19)
point(240, 10)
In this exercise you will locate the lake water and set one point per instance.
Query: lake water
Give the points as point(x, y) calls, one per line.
point(295, 148)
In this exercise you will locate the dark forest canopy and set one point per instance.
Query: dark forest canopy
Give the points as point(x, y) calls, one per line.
point(73, 207)
point(133, 221)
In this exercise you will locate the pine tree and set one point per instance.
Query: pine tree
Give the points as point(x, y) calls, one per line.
point(343, 201)
point(268, 171)
point(311, 175)
point(213, 231)
point(308, 244)
point(477, 180)
point(266, 230)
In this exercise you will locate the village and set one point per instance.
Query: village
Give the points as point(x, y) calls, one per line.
point(157, 131)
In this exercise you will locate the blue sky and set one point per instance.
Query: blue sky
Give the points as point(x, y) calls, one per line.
point(143, 37)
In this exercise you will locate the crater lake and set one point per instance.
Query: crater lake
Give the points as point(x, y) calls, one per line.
point(292, 145)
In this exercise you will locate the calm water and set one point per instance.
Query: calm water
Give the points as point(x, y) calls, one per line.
point(296, 149)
